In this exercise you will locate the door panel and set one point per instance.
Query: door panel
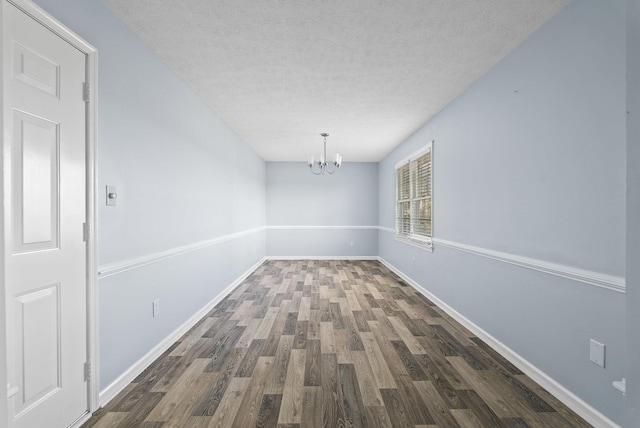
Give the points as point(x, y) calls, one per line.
point(35, 70)
point(38, 332)
point(45, 253)
point(35, 184)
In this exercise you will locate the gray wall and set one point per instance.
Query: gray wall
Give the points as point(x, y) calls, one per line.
point(530, 161)
point(183, 176)
point(319, 216)
point(632, 415)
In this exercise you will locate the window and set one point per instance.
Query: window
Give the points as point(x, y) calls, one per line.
point(414, 198)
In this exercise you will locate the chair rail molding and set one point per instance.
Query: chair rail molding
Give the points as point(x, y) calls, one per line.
point(134, 263)
point(326, 227)
point(609, 282)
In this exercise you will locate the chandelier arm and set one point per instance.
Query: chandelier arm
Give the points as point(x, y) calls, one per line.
point(315, 173)
point(331, 171)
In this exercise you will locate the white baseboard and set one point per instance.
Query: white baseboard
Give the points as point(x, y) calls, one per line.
point(575, 403)
point(81, 420)
point(139, 366)
point(322, 258)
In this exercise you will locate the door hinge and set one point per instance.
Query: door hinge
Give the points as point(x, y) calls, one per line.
point(87, 370)
point(86, 92)
point(85, 232)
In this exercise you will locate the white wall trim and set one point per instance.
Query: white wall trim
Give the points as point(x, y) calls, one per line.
point(323, 258)
point(139, 366)
point(609, 282)
point(125, 265)
point(586, 411)
point(314, 227)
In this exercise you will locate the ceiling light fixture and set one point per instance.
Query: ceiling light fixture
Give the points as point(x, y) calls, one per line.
point(321, 167)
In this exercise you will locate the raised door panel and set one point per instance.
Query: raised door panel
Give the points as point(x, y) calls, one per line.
point(36, 70)
point(35, 183)
point(37, 321)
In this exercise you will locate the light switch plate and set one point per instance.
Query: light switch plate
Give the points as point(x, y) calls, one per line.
point(112, 196)
point(596, 352)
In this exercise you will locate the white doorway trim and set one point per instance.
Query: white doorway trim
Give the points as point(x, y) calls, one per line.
point(91, 74)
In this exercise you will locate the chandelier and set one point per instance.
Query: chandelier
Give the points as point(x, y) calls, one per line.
point(321, 167)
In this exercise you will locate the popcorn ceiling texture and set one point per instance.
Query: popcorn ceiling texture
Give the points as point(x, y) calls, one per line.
point(369, 73)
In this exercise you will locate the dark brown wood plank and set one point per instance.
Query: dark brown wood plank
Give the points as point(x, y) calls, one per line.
point(271, 345)
point(312, 406)
point(514, 423)
point(355, 340)
point(209, 404)
point(398, 415)
point(436, 405)
point(223, 351)
point(336, 316)
point(290, 324)
point(143, 407)
point(333, 402)
point(361, 321)
point(409, 361)
point(269, 411)
point(480, 409)
point(353, 407)
point(499, 359)
point(250, 358)
point(412, 325)
point(416, 409)
point(444, 388)
point(152, 425)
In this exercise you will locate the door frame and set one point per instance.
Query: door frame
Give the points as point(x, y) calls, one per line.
point(91, 114)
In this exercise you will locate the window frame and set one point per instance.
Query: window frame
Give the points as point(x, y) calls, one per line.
point(420, 240)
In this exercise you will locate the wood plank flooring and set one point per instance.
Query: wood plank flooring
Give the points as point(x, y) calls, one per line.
point(331, 344)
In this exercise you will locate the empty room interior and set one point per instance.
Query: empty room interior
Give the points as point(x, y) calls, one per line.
point(470, 258)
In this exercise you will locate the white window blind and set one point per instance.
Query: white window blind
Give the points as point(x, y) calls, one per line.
point(414, 197)
point(403, 205)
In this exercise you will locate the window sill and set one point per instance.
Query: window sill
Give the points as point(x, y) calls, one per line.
point(425, 245)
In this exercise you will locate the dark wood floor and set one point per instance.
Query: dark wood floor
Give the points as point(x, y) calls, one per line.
point(331, 344)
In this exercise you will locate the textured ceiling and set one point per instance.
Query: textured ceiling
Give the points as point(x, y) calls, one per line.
point(368, 72)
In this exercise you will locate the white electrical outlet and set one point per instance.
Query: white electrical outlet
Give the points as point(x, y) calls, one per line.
point(352, 243)
point(156, 308)
point(596, 352)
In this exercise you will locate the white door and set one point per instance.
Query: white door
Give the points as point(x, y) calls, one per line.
point(45, 267)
